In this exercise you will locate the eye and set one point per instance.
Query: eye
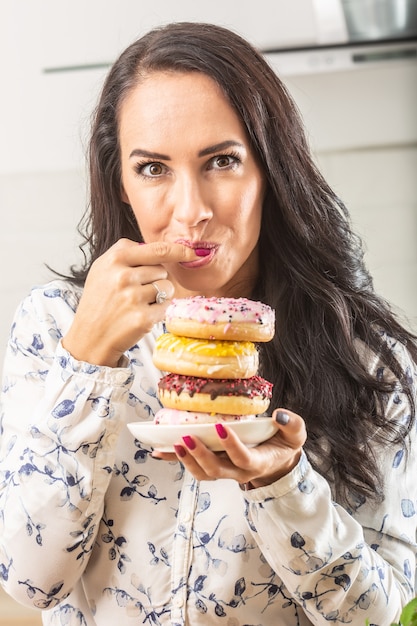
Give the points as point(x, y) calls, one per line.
point(225, 161)
point(151, 169)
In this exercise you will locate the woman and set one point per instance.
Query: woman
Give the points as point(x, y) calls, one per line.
point(198, 153)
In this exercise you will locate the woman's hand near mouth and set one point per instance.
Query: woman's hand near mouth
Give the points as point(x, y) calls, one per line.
point(118, 306)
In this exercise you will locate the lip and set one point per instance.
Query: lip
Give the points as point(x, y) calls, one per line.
point(205, 251)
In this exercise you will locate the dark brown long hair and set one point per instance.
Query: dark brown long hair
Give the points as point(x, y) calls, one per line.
point(312, 268)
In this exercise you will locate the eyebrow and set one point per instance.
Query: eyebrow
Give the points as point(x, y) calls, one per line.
point(220, 146)
point(206, 151)
point(150, 155)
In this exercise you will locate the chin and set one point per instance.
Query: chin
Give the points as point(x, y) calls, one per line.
point(197, 288)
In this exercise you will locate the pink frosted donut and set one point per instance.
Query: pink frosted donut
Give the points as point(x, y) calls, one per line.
point(175, 416)
point(237, 319)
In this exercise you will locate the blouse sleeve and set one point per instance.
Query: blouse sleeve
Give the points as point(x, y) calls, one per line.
point(344, 567)
point(60, 420)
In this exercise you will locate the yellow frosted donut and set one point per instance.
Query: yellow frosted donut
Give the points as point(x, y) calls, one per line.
point(202, 357)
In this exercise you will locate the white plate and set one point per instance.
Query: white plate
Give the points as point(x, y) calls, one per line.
point(163, 437)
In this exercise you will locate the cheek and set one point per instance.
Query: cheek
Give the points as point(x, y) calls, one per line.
point(251, 204)
point(150, 223)
point(148, 211)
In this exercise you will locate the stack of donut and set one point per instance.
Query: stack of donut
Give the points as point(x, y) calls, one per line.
point(212, 360)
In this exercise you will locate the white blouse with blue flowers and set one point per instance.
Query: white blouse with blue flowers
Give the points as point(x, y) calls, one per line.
point(96, 532)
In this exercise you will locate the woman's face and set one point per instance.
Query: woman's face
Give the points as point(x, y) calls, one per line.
point(190, 176)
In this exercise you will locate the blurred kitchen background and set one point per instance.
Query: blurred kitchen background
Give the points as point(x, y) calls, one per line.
point(351, 66)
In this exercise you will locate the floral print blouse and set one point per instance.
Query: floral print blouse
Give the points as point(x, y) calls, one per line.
point(96, 532)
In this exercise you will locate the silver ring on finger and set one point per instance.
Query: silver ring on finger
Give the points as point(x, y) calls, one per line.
point(161, 295)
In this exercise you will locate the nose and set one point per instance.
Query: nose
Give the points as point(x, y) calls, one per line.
point(190, 201)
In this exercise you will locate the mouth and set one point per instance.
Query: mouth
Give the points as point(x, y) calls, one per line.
point(204, 250)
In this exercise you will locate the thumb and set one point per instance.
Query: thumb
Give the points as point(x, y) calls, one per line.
point(292, 427)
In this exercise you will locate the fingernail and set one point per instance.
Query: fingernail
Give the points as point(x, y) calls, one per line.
point(282, 418)
point(221, 431)
point(179, 451)
point(189, 442)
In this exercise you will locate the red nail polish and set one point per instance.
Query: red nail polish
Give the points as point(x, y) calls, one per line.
point(189, 442)
point(179, 451)
point(221, 431)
